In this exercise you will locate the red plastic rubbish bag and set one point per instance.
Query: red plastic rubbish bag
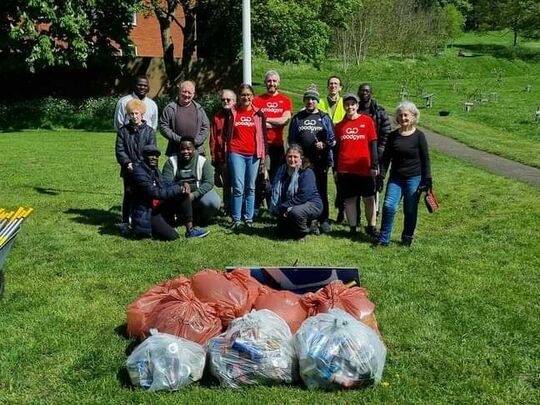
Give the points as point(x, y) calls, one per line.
point(229, 299)
point(353, 300)
point(288, 305)
point(182, 314)
point(243, 278)
point(139, 310)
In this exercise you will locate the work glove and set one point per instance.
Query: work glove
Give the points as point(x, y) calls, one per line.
point(425, 185)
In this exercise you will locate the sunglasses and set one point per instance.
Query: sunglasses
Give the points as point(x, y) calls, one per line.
point(227, 99)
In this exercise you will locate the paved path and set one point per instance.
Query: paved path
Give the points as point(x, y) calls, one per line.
point(493, 163)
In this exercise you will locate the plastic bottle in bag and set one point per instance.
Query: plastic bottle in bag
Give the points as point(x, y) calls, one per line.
point(165, 362)
point(336, 351)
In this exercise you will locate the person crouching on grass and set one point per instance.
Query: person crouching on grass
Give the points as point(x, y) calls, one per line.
point(295, 199)
point(158, 204)
point(356, 164)
point(130, 140)
point(196, 174)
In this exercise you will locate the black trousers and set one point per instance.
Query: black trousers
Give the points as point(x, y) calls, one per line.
point(321, 178)
point(170, 214)
point(297, 222)
point(127, 201)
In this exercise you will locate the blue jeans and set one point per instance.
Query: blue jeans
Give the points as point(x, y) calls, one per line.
point(243, 173)
point(395, 190)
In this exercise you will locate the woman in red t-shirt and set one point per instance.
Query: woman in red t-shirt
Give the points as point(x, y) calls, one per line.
point(356, 163)
point(247, 149)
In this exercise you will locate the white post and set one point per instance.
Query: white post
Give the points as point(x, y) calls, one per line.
point(246, 40)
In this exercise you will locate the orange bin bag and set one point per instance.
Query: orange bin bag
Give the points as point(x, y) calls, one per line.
point(353, 300)
point(182, 314)
point(242, 278)
point(228, 298)
point(139, 310)
point(286, 304)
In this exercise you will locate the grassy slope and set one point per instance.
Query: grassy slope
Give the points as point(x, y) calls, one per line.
point(458, 311)
point(505, 127)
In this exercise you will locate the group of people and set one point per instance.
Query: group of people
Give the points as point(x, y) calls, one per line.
point(349, 135)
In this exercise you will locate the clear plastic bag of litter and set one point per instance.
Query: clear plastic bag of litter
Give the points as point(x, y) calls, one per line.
point(165, 362)
point(256, 349)
point(337, 351)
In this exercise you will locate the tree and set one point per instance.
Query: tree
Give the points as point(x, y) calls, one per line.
point(452, 22)
point(37, 34)
point(522, 17)
point(166, 13)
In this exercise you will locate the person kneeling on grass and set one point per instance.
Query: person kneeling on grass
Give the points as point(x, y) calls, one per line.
point(192, 171)
point(159, 205)
point(295, 200)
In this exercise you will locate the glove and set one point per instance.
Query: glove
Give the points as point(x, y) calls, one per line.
point(425, 185)
point(379, 183)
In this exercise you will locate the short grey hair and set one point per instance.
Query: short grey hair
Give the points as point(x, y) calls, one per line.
point(408, 106)
point(271, 73)
point(229, 91)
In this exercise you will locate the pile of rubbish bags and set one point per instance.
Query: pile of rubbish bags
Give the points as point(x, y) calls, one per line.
point(248, 333)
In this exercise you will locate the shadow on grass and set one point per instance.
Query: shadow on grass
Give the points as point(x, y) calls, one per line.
point(501, 51)
point(57, 191)
point(105, 220)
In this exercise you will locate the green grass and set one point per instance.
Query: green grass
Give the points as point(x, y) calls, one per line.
point(458, 311)
point(505, 126)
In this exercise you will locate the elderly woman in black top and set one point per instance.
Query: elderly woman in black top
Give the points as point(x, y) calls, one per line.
point(407, 153)
point(295, 200)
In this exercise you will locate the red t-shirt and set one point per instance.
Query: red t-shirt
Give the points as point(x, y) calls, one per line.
point(274, 107)
point(243, 138)
point(353, 138)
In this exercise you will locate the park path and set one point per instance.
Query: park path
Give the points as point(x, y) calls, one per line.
point(496, 164)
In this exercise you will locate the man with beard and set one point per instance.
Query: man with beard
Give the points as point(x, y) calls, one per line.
point(196, 175)
point(140, 90)
point(314, 132)
point(277, 108)
point(184, 117)
point(157, 203)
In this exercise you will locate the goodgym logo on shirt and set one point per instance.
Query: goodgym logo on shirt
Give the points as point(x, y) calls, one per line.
point(245, 122)
point(351, 134)
point(273, 107)
point(310, 125)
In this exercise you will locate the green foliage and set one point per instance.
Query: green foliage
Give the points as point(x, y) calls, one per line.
point(458, 311)
point(522, 17)
point(40, 33)
point(452, 21)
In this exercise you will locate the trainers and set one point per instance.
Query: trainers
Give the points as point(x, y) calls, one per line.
point(314, 228)
point(378, 243)
point(123, 228)
point(326, 227)
point(197, 233)
point(249, 224)
point(372, 231)
point(235, 226)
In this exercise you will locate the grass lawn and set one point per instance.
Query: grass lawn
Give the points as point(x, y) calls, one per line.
point(459, 311)
point(504, 125)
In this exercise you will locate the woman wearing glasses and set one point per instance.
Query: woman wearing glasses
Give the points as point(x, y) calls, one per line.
point(246, 145)
point(218, 145)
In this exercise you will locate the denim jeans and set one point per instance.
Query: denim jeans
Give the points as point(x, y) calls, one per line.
point(243, 173)
point(395, 190)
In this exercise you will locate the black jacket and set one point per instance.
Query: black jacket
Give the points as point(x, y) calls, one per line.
point(148, 186)
point(382, 124)
point(129, 143)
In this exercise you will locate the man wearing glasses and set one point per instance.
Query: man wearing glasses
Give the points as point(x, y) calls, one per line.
point(218, 145)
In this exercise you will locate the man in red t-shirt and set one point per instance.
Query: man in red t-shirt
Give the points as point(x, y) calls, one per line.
point(277, 109)
point(356, 163)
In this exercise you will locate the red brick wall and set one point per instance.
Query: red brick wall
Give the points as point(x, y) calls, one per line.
point(147, 37)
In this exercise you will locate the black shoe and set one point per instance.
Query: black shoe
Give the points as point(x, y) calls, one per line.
point(352, 231)
point(372, 231)
point(377, 243)
point(406, 242)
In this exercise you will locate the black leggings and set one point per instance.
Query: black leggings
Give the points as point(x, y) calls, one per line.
point(169, 214)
